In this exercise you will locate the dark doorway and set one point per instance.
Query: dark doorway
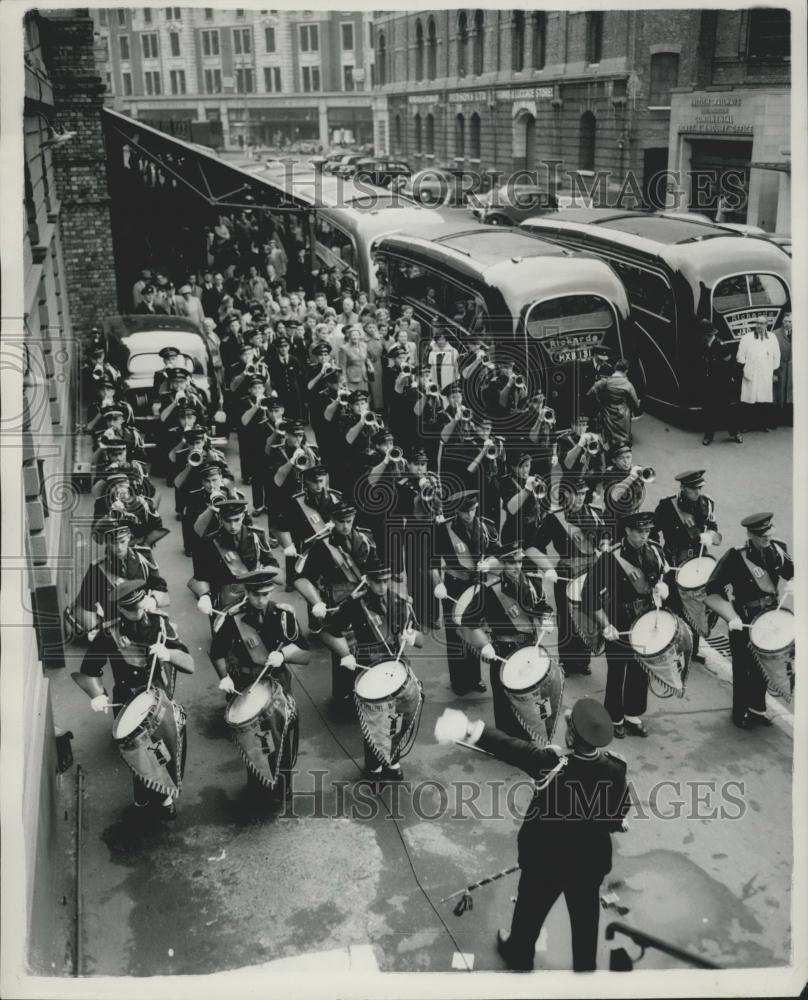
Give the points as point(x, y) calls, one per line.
point(655, 164)
point(719, 179)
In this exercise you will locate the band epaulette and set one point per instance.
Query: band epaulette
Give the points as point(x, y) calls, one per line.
point(285, 607)
point(616, 756)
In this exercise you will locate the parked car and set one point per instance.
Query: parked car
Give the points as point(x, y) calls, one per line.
point(383, 171)
point(347, 165)
point(511, 204)
point(441, 186)
point(333, 160)
point(133, 344)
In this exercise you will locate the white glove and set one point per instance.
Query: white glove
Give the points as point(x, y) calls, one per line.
point(610, 633)
point(788, 588)
point(100, 703)
point(530, 483)
point(735, 624)
point(149, 603)
point(706, 538)
point(635, 471)
point(159, 650)
point(205, 604)
point(290, 551)
point(440, 591)
point(488, 652)
point(484, 565)
point(551, 576)
point(409, 636)
point(226, 684)
point(275, 658)
point(451, 726)
point(298, 453)
point(220, 417)
point(349, 662)
point(319, 610)
point(554, 460)
point(92, 635)
point(661, 590)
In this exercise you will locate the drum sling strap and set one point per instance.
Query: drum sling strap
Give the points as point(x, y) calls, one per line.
point(513, 611)
point(689, 523)
point(344, 560)
point(312, 515)
point(115, 580)
point(376, 622)
point(232, 559)
point(638, 581)
point(585, 552)
point(252, 642)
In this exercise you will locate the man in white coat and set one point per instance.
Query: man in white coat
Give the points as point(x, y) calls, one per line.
point(191, 306)
point(759, 356)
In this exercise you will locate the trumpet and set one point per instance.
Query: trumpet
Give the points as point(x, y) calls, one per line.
point(217, 496)
point(195, 457)
point(593, 444)
point(433, 389)
point(395, 454)
point(343, 396)
point(250, 369)
point(428, 485)
point(491, 449)
point(519, 383)
point(547, 414)
point(648, 475)
point(302, 462)
point(370, 419)
point(465, 413)
point(406, 369)
point(539, 487)
point(98, 372)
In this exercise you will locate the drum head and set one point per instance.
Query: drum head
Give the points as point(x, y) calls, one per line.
point(381, 681)
point(773, 630)
point(525, 668)
point(575, 588)
point(652, 632)
point(464, 602)
point(248, 704)
point(695, 572)
point(133, 714)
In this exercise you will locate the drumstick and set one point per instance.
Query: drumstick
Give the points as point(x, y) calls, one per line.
point(154, 660)
point(471, 746)
point(266, 667)
point(782, 599)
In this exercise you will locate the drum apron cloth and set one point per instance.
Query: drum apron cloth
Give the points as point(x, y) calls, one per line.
point(389, 699)
point(662, 645)
point(149, 735)
point(261, 720)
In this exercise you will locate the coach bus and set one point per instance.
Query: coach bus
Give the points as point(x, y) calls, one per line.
point(550, 305)
point(676, 272)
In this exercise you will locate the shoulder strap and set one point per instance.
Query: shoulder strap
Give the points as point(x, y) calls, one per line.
point(251, 640)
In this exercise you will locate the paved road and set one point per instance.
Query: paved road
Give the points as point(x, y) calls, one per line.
point(222, 888)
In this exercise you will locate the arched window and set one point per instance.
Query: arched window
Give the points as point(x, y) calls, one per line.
point(460, 136)
point(397, 133)
point(462, 43)
point(586, 143)
point(419, 51)
point(539, 39)
point(474, 137)
point(479, 41)
point(419, 138)
point(518, 41)
point(431, 50)
point(430, 133)
point(594, 36)
point(381, 59)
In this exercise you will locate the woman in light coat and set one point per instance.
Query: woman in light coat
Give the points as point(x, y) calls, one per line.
point(352, 358)
point(759, 356)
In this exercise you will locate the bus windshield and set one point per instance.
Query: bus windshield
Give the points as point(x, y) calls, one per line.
point(569, 327)
point(742, 299)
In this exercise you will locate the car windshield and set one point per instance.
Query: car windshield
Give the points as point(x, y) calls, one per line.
point(569, 326)
point(743, 299)
point(148, 364)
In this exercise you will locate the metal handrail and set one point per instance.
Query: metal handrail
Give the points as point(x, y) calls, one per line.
point(649, 941)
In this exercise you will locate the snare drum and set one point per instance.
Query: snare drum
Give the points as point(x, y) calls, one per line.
point(691, 582)
point(389, 699)
point(585, 624)
point(262, 723)
point(771, 639)
point(534, 684)
point(662, 644)
point(465, 601)
point(149, 733)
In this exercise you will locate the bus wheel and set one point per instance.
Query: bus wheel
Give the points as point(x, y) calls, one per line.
point(497, 220)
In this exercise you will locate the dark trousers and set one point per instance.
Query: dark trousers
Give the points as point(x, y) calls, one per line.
point(538, 890)
point(748, 682)
point(718, 411)
point(464, 667)
point(757, 416)
point(626, 683)
point(573, 652)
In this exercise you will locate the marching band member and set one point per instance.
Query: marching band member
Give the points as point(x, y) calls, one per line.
point(624, 583)
point(120, 500)
point(252, 424)
point(378, 621)
point(418, 502)
point(687, 526)
point(462, 543)
point(202, 503)
point(502, 618)
point(522, 494)
point(287, 461)
point(256, 633)
point(753, 571)
point(128, 642)
point(106, 396)
point(623, 483)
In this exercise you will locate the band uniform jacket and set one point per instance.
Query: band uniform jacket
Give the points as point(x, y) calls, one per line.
point(462, 546)
point(335, 564)
point(571, 820)
point(221, 558)
point(752, 576)
point(680, 523)
point(306, 513)
point(509, 610)
point(103, 577)
point(576, 537)
point(125, 645)
point(246, 638)
point(622, 580)
point(376, 624)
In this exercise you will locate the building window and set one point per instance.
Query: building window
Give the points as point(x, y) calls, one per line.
point(664, 76)
point(539, 39)
point(272, 79)
point(311, 79)
point(479, 42)
point(149, 43)
point(269, 39)
point(213, 81)
point(240, 13)
point(121, 18)
point(474, 137)
point(109, 83)
point(210, 43)
point(173, 13)
point(123, 42)
point(102, 17)
point(431, 50)
point(460, 136)
point(208, 13)
point(126, 80)
point(397, 133)
point(309, 38)
point(147, 15)
point(152, 79)
point(419, 139)
point(518, 41)
point(242, 41)
point(594, 36)
point(177, 81)
point(419, 50)
point(347, 78)
point(462, 42)
point(381, 60)
point(769, 34)
point(586, 143)
point(174, 41)
point(430, 134)
point(245, 84)
point(347, 37)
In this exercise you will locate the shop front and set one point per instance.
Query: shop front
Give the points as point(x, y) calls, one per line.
point(351, 126)
point(274, 126)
